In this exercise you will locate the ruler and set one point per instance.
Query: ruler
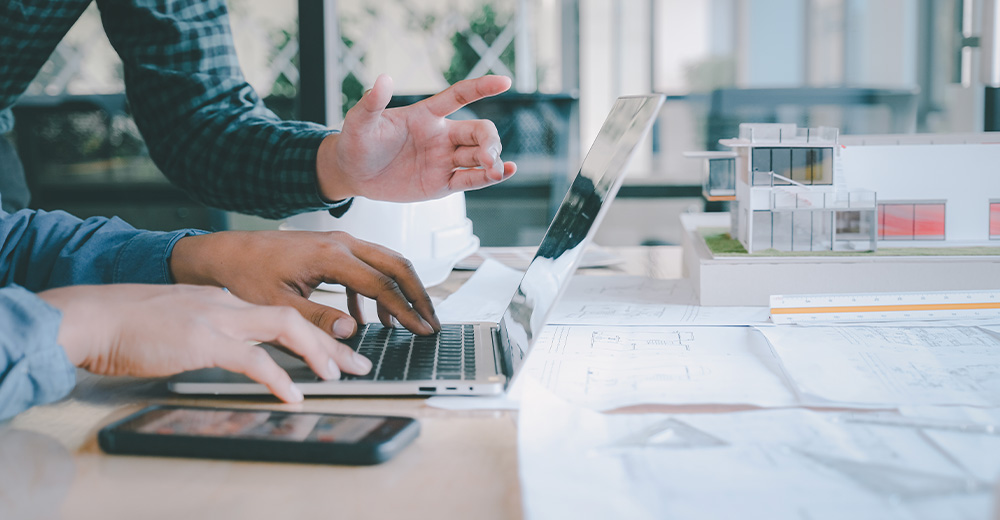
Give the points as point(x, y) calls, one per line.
point(893, 306)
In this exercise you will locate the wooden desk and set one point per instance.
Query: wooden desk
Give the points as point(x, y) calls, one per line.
point(463, 465)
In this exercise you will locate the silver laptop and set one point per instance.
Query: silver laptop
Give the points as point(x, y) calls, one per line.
point(477, 358)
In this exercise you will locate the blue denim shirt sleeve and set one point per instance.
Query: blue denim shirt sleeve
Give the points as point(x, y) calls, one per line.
point(42, 250)
point(33, 367)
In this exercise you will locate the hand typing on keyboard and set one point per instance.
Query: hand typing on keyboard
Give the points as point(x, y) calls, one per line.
point(284, 267)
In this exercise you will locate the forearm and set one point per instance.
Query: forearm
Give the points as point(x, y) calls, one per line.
point(34, 368)
point(205, 127)
point(42, 250)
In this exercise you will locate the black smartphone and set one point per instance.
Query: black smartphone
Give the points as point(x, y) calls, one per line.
point(264, 435)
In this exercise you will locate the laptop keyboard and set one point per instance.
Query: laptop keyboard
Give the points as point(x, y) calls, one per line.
point(398, 355)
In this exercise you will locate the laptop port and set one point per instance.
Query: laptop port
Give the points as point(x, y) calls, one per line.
point(427, 389)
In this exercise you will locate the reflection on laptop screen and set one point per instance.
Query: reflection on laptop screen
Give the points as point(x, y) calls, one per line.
point(579, 214)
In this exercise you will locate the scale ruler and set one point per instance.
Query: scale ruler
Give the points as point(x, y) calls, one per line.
point(901, 306)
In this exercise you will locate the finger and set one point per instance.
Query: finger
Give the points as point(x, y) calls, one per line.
point(331, 321)
point(468, 157)
point(285, 326)
point(479, 132)
point(482, 134)
point(372, 103)
point(401, 271)
point(255, 363)
point(382, 287)
point(465, 92)
point(476, 178)
point(354, 306)
point(384, 315)
point(347, 359)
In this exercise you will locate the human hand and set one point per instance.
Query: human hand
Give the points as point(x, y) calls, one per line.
point(284, 267)
point(160, 330)
point(413, 153)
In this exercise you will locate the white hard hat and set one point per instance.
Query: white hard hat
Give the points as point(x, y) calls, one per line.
point(433, 234)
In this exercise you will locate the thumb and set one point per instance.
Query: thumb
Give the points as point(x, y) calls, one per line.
point(374, 101)
point(336, 323)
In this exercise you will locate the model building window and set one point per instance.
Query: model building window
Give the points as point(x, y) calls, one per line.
point(761, 166)
point(995, 220)
point(811, 166)
point(911, 220)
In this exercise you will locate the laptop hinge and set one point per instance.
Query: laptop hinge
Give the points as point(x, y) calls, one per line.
point(497, 350)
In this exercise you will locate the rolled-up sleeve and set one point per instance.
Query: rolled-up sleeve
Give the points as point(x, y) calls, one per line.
point(42, 250)
point(33, 367)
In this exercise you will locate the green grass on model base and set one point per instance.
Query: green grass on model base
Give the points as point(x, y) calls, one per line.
point(720, 243)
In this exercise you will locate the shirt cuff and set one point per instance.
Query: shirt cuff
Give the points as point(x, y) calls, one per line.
point(340, 208)
point(145, 258)
point(34, 369)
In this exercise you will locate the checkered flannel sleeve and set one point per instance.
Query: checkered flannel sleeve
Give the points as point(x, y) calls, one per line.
point(205, 127)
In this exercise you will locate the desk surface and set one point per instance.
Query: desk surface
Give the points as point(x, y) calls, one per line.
point(463, 465)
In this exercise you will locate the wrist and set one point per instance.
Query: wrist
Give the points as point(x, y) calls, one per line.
point(329, 179)
point(197, 259)
point(78, 332)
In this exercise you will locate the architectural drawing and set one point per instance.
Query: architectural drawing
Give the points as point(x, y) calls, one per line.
point(810, 189)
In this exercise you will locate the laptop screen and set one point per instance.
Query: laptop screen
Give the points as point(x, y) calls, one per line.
point(575, 221)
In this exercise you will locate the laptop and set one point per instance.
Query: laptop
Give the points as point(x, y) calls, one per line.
point(476, 358)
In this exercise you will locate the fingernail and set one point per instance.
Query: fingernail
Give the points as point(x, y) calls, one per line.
point(363, 364)
point(343, 328)
point(296, 393)
point(429, 326)
point(332, 370)
point(369, 91)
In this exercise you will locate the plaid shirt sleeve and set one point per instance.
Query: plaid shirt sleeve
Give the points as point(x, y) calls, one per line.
point(205, 127)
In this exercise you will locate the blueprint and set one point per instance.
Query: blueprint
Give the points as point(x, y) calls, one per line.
point(776, 464)
point(605, 367)
point(889, 366)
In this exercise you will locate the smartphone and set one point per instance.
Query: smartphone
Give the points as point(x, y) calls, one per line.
point(263, 435)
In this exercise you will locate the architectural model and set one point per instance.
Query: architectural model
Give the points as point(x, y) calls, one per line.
point(833, 213)
point(808, 189)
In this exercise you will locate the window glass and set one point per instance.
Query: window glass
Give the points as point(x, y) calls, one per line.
point(781, 163)
point(928, 221)
point(911, 221)
point(800, 166)
point(761, 166)
point(821, 163)
point(896, 221)
point(994, 220)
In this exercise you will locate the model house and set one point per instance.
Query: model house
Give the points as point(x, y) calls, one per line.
point(809, 189)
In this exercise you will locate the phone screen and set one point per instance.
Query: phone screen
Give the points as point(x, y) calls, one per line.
point(254, 424)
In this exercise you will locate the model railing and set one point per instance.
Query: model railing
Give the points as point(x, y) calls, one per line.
point(797, 198)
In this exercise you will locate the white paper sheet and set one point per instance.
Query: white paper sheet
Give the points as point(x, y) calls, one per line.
point(636, 300)
point(595, 300)
point(970, 435)
point(886, 366)
point(520, 257)
point(610, 367)
point(606, 367)
point(776, 464)
point(483, 297)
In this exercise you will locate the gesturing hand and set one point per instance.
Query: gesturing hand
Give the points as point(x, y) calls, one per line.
point(413, 153)
point(160, 330)
point(284, 267)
